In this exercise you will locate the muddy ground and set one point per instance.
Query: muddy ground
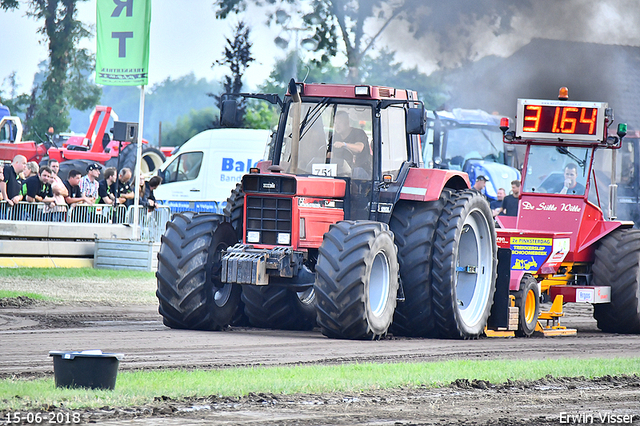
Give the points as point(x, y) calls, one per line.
point(28, 331)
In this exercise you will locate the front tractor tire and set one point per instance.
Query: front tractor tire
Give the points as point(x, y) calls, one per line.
point(464, 266)
point(356, 280)
point(189, 292)
point(278, 307)
point(617, 264)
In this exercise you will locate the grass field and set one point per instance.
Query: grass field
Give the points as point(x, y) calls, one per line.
point(72, 273)
point(80, 285)
point(140, 388)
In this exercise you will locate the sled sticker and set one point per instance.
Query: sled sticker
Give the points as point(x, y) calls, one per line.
point(527, 254)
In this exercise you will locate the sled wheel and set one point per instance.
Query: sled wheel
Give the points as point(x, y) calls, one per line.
point(528, 303)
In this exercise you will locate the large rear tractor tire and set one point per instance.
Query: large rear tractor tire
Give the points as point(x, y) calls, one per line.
point(356, 280)
point(234, 210)
point(234, 213)
point(528, 303)
point(152, 159)
point(79, 165)
point(278, 307)
point(189, 292)
point(464, 266)
point(413, 226)
point(617, 264)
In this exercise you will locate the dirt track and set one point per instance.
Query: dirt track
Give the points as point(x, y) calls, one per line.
point(28, 333)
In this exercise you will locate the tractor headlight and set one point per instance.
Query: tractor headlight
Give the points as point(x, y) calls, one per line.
point(284, 238)
point(253, 236)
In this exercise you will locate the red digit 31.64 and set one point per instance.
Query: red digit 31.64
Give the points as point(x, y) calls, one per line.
point(557, 119)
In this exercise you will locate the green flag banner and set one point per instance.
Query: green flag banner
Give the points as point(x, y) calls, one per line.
point(122, 56)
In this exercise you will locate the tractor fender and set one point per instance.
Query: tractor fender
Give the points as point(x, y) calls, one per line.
point(515, 279)
point(427, 184)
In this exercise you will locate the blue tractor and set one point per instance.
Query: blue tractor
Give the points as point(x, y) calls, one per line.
point(471, 141)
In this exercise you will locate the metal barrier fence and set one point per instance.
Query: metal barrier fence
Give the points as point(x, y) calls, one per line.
point(151, 223)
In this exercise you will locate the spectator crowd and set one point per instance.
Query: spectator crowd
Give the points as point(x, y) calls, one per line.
point(27, 182)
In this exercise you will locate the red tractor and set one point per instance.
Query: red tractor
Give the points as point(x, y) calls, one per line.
point(342, 227)
point(561, 247)
point(96, 146)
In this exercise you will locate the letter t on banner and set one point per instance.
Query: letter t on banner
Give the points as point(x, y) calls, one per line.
point(122, 59)
point(122, 54)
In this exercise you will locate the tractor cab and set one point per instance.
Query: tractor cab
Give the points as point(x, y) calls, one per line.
point(365, 136)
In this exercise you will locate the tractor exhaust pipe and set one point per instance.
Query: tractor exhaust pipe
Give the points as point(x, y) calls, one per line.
point(296, 113)
point(613, 188)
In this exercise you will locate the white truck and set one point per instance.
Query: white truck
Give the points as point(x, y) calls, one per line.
point(202, 173)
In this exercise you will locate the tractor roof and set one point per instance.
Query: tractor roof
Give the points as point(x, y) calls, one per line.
point(354, 91)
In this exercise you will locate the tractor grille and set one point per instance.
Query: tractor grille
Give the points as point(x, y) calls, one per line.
point(269, 216)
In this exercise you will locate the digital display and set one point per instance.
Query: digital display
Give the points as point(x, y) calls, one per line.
point(560, 120)
point(549, 119)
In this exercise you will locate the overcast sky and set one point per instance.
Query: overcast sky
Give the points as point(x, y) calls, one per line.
point(185, 37)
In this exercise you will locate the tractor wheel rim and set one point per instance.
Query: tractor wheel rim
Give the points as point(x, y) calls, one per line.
point(307, 297)
point(474, 265)
point(379, 284)
point(222, 295)
point(150, 162)
point(530, 307)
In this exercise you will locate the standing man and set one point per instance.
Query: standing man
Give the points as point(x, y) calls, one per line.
point(39, 187)
point(10, 186)
point(31, 169)
point(124, 187)
point(496, 205)
point(57, 186)
point(480, 183)
point(75, 195)
point(510, 202)
point(148, 199)
point(89, 183)
point(105, 187)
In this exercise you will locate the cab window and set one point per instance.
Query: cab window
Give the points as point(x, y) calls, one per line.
point(394, 140)
point(184, 168)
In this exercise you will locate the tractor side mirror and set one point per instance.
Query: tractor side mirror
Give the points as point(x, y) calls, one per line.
point(416, 123)
point(228, 113)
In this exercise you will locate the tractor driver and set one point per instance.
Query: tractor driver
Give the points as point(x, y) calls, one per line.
point(352, 145)
point(571, 185)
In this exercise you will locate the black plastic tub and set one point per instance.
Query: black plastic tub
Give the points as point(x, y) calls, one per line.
point(91, 369)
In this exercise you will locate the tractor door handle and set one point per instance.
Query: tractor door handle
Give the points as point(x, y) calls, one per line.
point(194, 190)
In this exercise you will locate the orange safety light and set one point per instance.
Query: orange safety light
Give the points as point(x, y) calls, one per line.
point(504, 124)
point(563, 94)
point(254, 170)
